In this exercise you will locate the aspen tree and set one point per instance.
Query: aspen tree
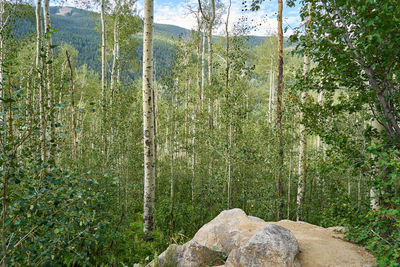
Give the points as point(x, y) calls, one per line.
point(203, 68)
point(229, 130)
point(72, 93)
point(271, 93)
point(199, 70)
point(115, 64)
point(155, 118)
point(199, 61)
point(320, 101)
point(302, 161)
point(301, 187)
point(42, 94)
point(149, 174)
point(373, 192)
point(49, 57)
point(103, 74)
point(210, 23)
point(172, 155)
point(279, 182)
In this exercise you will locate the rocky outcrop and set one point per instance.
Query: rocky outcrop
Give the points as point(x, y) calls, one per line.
point(247, 240)
point(191, 254)
point(271, 246)
point(255, 219)
point(251, 242)
point(229, 230)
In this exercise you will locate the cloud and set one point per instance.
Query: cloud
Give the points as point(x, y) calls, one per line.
point(262, 22)
point(177, 12)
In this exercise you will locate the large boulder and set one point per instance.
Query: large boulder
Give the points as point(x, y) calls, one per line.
point(249, 242)
point(272, 246)
point(191, 254)
point(231, 229)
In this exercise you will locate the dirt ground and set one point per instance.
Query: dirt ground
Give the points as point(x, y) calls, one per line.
point(324, 247)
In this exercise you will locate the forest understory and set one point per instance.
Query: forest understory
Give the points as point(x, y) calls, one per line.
point(111, 154)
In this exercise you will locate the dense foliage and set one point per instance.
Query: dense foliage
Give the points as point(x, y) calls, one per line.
point(81, 202)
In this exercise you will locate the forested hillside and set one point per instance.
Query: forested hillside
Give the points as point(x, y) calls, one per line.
point(80, 28)
point(120, 137)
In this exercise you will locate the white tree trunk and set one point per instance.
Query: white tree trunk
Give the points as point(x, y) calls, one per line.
point(103, 76)
point(115, 65)
point(149, 174)
point(302, 164)
point(203, 68)
point(72, 93)
point(373, 194)
point(301, 187)
point(50, 91)
point(42, 95)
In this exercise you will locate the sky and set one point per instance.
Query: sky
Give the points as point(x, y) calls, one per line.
point(263, 21)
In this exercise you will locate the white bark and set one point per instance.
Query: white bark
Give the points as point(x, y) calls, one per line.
point(271, 94)
point(49, 56)
point(115, 65)
point(149, 172)
point(373, 194)
point(289, 185)
point(42, 95)
point(301, 187)
point(302, 164)
point(103, 77)
point(103, 51)
point(72, 93)
point(203, 68)
point(320, 100)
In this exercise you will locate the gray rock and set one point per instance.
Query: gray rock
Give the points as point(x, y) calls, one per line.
point(229, 230)
point(270, 246)
point(256, 219)
point(191, 254)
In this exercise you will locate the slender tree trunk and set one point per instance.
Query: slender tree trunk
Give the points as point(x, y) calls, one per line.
point(373, 193)
point(72, 93)
point(194, 155)
point(210, 78)
point(115, 65)
point(9, 166)
point(187, 84)
point(103, 77)
point(50, 91)
point(199, 102)
point(227, 69)
point(203, 69)
point(42, 94)
point(359, 191)
point(301, 187)
point(271, 93)
point(148, 122)
point(155, 120)
point(320, 101)
point(279, 182)
point(289, 185)
point(199, 61)
point(172, 155)
point(2, 47)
